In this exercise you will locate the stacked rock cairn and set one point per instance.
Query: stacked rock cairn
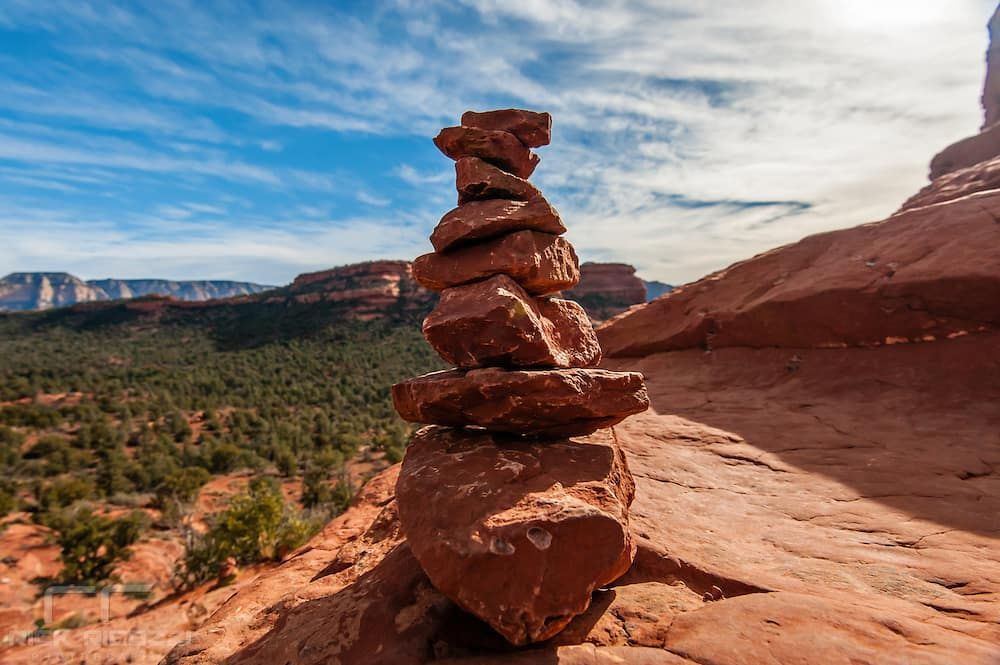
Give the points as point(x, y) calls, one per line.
point(515, 500)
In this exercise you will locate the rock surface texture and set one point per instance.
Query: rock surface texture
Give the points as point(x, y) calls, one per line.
point(554, 402)
point(540, 262)
point(479, 180)
point(495, 322)
point(502, 149)
point(511, 520)
point(537, 525)
point(479, 220)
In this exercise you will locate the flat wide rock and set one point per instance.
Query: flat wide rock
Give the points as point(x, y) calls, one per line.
point(500, 148)
point(551, 402)
point(496, 323)
point(478, 220)
point(518, 533)
point(476, 180)
point(533, 129)
point(541, 263)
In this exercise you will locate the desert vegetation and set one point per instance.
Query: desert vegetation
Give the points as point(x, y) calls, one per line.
point(111, 424)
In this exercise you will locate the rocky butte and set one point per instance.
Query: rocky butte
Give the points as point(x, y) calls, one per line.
point(606, 289)
point(367, 290)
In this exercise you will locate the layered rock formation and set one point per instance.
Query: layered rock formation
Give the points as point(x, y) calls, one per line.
point(366, 290)
point(517, 529)
point(40, 291)
point(606, 289)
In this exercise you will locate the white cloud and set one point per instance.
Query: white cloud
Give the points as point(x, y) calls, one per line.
point(676, 122)
point(372, 200)
point(412, 176)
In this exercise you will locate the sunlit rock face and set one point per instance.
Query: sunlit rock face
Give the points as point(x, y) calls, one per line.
point(606, 289)
point(366, 290)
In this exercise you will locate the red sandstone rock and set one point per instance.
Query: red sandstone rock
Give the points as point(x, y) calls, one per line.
point(540, 262)
point(606, 289)
point(476, 180)
point(502, 149)
point(554, 402)
point(480, 220)
point(494, 322)
point(888, 282)
point(533, 129)
point(517, 533)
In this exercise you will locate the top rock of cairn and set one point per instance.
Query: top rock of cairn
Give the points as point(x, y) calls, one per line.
point(510, 517)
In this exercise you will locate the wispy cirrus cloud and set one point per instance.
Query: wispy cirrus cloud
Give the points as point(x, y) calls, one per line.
point(687, 136)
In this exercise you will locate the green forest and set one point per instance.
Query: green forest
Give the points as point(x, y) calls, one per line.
point(116, 408)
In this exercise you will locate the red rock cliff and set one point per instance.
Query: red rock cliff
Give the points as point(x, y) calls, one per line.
point(605, 289)
point(367, 289)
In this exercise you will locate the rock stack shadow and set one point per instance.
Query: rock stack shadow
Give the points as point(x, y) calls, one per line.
point(515, 500)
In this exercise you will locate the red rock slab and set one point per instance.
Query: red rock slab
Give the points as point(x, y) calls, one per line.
point(774, 627)
point(476, 180)
point(551, 402)
point(923, 274)
point(479, 220)
point(981, 177)
point(502, 149)
point(495, 322)
point(518, 533)
point(540, 262)
point(532, 128)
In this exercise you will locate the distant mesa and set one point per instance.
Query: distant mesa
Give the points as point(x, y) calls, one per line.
point(655, 289)
point(607, 289)
point(367, 290)
point(29, 291)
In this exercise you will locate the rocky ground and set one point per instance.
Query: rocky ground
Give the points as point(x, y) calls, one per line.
point(790, 507)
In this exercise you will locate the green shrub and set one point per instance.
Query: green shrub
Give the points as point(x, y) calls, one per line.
point(181, 486)
point(62, 492)
point(259, 525)
point(92, 544)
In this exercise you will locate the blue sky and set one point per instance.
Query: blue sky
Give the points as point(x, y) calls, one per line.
point(256, 141)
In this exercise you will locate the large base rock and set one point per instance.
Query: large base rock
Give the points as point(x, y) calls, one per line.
point(518, 533)
point(553, 402)
point(540, 262)
point(495, 323)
